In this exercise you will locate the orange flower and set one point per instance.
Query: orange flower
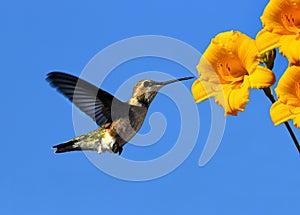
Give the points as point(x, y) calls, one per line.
point(227, 69)
point(288, 92)
point(281, 21)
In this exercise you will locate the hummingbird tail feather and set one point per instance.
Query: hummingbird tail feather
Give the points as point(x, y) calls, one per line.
point(67, 146)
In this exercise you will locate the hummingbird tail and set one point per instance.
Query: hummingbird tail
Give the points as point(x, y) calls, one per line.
point(67, 146)
point(93, 141)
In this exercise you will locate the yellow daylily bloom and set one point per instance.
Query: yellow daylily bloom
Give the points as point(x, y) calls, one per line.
point(281, 22)
point(227, 69)
point(288, 92)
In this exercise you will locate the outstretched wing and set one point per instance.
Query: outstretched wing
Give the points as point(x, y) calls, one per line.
point(93, 101)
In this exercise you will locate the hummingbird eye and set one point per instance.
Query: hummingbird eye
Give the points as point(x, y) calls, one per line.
point(147, 84)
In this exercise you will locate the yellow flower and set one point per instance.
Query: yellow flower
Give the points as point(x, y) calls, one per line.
point(281, 21)
point(227, 69)
point(288, 92)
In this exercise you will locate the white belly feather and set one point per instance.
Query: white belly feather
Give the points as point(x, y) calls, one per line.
point(106, 143)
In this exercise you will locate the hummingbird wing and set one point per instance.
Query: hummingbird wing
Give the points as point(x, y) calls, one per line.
point(93, 101)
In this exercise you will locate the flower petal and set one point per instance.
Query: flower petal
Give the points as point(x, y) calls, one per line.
point(290, 48)
point(281, 112)
point(297, 118)
point(287, 86)
point(247, 52)
point(199, 91)
point(238, 98)
point(261, 78)
point(234, 98)
point(266, 40)
point(206, 71)
point(288, 92)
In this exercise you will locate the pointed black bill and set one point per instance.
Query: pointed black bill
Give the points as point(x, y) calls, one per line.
point(173, 81)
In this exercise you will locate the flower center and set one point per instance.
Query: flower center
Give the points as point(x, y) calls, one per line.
point(231, 69)
point(298, 89)
point(291, 20)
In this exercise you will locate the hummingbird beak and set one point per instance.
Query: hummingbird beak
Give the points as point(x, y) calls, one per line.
point(173, 81)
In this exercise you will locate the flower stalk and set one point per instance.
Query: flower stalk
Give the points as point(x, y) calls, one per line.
point(268, 58)
point(270, 96)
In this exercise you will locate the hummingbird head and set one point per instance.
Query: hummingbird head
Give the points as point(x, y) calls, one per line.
point(145, 91)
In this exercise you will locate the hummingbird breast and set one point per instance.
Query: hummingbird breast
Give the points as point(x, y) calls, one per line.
point(125, 128)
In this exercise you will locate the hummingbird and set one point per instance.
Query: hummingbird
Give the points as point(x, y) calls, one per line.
point(118, 121)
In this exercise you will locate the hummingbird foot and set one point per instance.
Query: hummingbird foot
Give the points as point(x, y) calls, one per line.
point(115, 148)
point(120, 149)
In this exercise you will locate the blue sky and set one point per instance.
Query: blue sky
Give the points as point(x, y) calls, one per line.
point(255, 170)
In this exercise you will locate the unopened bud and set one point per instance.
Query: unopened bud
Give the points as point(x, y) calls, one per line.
point(268, 58)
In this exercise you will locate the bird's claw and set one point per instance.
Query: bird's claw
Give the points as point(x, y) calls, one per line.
point(120, 149)
point(117, 149)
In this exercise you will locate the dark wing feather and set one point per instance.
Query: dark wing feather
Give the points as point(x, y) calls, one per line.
point(93, 101)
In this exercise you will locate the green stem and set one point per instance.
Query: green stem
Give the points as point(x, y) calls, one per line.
point(268, 93)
